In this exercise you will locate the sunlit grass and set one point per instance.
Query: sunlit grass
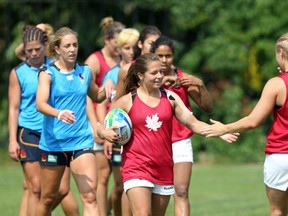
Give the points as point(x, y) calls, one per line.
point(215, 190)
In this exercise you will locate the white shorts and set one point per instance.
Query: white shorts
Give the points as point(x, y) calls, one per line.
point(276, 171)
point(157, 189)
point(182, 151)
point(98, 147)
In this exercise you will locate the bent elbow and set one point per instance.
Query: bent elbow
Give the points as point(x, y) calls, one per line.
point(253, 125)
point(38, 107)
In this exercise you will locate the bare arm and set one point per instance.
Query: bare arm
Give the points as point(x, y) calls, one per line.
point(42, 96)
point(198, 92)
point(187, 118)
point(119, 88)
point(93, 63)
point(94, 92)
point(20, 53)
point(14, 95)
point(93, 120)
point(272, 95)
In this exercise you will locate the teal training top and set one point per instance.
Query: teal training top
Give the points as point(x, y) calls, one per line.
point(27, 76)
point(68, 91)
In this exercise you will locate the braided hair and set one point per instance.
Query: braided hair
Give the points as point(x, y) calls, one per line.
point(32, 33)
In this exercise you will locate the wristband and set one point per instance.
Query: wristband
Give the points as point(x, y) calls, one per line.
point(61, 113)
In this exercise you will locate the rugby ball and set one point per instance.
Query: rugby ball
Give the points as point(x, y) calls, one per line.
point(118, 117)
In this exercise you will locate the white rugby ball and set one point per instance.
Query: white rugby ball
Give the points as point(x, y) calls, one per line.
point(118, 117)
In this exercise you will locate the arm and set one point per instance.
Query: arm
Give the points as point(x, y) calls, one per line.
point(20, 53)
point(187, 118)
point(42, 97)
point(96, 94)
point(272, 95)
point(198, 92)
point(119, 88)
point(93, 120)
point(93, 63)
point(14, 95)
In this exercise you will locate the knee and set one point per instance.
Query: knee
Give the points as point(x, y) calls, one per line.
point(63, 191)
point(118, 189)
point(35, 190)
point(88, 198)
point(181, 191)
point(48, 201)
point(277, 212)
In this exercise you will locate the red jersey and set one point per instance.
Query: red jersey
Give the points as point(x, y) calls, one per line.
point(179, 131)
point(277, 138)
point(148, 154)
point(104, 67)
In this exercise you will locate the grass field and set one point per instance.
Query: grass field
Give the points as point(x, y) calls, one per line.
point(216, 190)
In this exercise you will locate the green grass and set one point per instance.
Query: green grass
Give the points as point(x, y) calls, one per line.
point(215, 190)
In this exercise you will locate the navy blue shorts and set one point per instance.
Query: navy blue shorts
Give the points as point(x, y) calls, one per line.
point(61, 158)
point(116, 159)
point(28, 141)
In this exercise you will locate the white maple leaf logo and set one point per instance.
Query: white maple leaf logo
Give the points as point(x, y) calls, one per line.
point(153, 122)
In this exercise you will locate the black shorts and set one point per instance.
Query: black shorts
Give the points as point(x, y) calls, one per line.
point(116, 159)
point(61, 158)
point(28, 141)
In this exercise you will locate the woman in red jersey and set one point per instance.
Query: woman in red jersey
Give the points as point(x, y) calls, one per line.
point(273, 100)
point(147, 165)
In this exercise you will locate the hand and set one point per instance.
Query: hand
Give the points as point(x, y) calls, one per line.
point(109, 134)
point(108, 146)
point(14, 151)
point(172, 81)
point(190, 80)
point(66, 116)
point(230, 137)
point(109, 88)
point(214, 130)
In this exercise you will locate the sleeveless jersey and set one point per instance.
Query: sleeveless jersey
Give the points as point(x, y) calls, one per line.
point(179, 131)
point(104, 67)
point(28, 117)
point(277, 138)
point(68, 91)
point(148, 154)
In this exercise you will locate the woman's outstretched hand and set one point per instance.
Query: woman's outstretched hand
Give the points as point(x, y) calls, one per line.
point(218, 129)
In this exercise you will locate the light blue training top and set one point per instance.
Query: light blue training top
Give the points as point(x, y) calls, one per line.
point(27, 76)
point(112, 74)
point(68, 91)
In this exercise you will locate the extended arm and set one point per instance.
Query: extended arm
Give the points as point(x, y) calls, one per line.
point(272, 95)
point(187, 118)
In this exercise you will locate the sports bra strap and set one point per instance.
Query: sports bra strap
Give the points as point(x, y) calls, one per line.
point(133, 94)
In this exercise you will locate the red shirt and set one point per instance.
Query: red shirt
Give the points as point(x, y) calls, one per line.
point(179, 131)
point(148, 154)
point(277, 138)
point(104, 67)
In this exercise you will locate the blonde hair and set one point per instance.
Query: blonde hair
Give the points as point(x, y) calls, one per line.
point(46, 27)
point(282, 43)
point(57, 37)
point(128, 36)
